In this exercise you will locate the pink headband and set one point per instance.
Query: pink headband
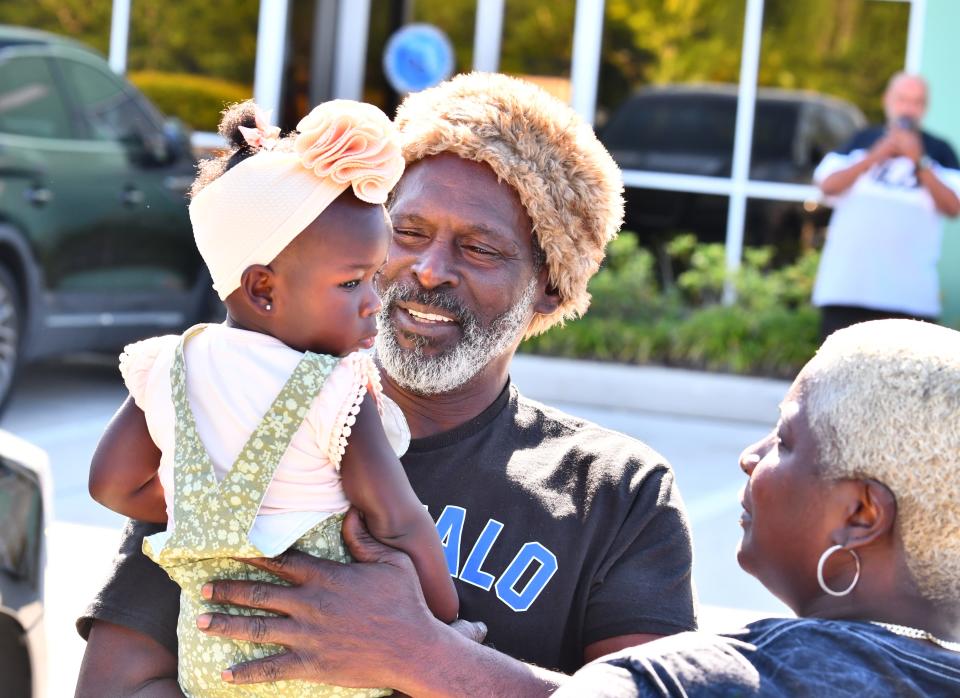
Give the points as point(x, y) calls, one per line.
point(254, 210)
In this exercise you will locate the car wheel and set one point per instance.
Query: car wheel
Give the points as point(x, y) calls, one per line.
point(11, 334)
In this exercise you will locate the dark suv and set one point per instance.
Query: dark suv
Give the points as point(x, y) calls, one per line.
point(689, 129)
point(96, 247)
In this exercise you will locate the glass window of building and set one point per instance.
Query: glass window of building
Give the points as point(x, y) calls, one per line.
point(455, 18)
point(306, 41)
point(190, 58)
point(787, 228)
point(667, 103)
point(537, 43)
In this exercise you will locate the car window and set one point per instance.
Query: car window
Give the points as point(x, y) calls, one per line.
point(839, 126)
point(30, 103)
point(774, 129)
point(674, 123)
point(112, 112)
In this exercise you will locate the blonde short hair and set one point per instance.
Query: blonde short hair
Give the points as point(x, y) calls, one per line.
point(567, 181)
point(883, 402)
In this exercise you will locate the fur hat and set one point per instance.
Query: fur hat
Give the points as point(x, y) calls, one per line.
point(566, 180)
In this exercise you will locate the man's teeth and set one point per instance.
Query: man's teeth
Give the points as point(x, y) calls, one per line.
point(429, 317)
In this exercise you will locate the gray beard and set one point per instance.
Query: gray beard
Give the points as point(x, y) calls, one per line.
point(413, 370)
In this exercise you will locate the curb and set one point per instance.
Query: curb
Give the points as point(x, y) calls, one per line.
point(655, 389)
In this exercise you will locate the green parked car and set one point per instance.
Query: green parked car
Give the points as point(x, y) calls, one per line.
point(96, 247)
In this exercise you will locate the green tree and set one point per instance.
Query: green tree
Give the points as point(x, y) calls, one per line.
point(85, 20)
point(846, 48)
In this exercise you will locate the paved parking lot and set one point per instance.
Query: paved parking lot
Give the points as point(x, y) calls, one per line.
point(63, 407)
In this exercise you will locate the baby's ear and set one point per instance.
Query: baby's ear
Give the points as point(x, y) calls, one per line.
point(257, 287)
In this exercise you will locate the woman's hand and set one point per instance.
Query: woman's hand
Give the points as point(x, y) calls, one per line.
point(358, 625)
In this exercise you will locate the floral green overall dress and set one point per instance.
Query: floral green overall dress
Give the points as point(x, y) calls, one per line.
point(212, 520)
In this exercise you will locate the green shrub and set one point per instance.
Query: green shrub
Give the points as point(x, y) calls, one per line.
point(195, 99)
point(771, 329)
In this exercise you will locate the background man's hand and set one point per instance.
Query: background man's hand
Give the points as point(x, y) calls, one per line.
point(907, 143)
point(349, 625)
point(886, 148)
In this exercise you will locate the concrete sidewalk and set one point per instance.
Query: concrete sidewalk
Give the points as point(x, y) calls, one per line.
point(651, 389)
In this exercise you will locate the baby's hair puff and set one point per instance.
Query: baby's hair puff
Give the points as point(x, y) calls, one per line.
point(234, 119)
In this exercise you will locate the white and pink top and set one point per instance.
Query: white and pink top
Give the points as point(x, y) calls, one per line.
point(233, 376)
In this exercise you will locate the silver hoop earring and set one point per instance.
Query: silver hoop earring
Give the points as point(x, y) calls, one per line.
point(823, 560)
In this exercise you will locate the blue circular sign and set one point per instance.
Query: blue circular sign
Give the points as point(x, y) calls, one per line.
point(417, 56)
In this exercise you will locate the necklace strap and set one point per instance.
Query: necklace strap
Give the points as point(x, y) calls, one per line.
point(918, 634)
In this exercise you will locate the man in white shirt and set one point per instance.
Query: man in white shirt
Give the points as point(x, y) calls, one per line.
point(892, 186)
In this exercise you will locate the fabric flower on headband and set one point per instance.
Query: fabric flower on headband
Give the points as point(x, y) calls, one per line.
point(263, 136)
point(351, 143)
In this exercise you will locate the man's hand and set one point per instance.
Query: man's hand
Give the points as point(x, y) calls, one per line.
point(357, 625)
point(907, 143)
point(885, 148)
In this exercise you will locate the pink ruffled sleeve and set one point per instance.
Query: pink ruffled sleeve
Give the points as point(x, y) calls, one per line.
point(137, 361)
point(337, 405)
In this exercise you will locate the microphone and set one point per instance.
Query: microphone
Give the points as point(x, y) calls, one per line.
point(906, 123)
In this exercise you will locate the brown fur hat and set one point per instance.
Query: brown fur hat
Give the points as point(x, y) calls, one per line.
point(569, 184)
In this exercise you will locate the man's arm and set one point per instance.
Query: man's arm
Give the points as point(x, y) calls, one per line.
point(841, 180)
point(122, 662)
point(131, 626)
point(910, 145)
point(393, 641)
point(944, 198)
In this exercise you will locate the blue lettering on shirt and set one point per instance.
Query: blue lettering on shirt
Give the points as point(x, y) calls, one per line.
point(471, 572)
point(530, 553)
point(450, 528)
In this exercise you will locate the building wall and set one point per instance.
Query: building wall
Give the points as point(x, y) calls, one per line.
point(941, 55)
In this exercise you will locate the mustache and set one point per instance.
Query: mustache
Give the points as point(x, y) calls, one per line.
point(443, 299)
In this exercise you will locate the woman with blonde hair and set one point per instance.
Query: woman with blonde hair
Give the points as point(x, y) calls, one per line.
point(851, 516)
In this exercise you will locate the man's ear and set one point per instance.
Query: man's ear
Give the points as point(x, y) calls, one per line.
point(257, 285)
point(548, 298)
point(871, 514)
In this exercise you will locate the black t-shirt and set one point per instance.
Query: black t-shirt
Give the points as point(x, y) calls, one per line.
point(936, 148)
point(559, 533)
point(776, 658)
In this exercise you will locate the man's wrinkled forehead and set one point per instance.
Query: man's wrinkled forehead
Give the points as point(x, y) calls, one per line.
point(450, 187)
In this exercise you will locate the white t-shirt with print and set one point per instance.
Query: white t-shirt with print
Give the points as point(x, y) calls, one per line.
point(884, 240)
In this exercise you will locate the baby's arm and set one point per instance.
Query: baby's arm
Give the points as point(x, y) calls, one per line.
point(375, 483)
point(123, 473)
